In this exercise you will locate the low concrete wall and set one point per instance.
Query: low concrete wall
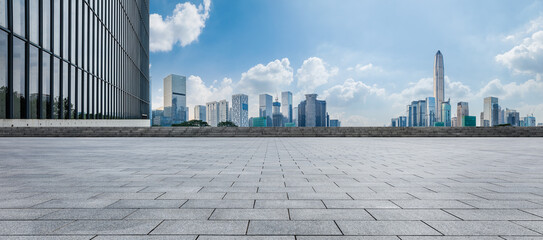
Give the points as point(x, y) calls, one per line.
point(268, 132)
point(74, 123)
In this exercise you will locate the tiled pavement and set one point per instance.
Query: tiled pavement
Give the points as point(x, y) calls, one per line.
point(271, 188)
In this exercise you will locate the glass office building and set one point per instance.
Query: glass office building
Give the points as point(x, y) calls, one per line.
point(74, 59)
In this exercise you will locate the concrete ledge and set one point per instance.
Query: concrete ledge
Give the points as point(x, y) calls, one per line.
point(267, 132)
point(74, 123)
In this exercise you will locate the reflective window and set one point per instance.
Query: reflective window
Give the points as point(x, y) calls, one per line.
point(83, 95)
point(34, 21)
point(73, 114)
point(56, 26)
point(46, 86)
point(65, 101)
point(34, 82)
point(73, 13)
point(65, 22)
point(19, 97)
point(56, 89)
point(3, 74)
point(3, 13)
point(79, 33)
point(19, 17)
point(46, 24)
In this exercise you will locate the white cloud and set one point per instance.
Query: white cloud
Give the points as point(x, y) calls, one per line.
point(198, 93)
point(526, 57)
point(313, 73)
point(351, 89)
point(266, 79)
point(183, 26)
point(528, 91)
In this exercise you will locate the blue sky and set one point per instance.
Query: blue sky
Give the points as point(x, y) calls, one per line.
point(368, 59)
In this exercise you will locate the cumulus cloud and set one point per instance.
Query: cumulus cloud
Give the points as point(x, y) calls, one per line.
point(313, 73)
point(424, 87)
point(526, 57)
point(267, 78)
point(529, 90)
point(351, 89)
point(198, 93)
point(183, 26)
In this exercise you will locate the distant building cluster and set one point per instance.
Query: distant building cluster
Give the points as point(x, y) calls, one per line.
point(435, 112)
point(311, 112)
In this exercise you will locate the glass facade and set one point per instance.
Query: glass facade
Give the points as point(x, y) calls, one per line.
point(74, 59)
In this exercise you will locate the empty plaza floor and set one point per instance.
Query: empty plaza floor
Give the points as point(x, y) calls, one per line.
point(271, 188)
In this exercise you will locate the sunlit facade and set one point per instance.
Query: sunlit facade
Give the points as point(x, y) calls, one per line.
point(74, 59)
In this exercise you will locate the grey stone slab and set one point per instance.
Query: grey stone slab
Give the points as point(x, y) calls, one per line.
point(176, 195)
point(532, 225)
point(411, 214)
point(250, 214)
point(80, 203)
point(431, 204)
point(484, 228)
point(492, 214)
point(330, 214)
point(201, 227)
point(138, 203)
point(376, 228)
point(30, 227)
point(21, 203)
point(318, 196)
point(88, 214)
point(381, 196)
point(293, 228)
point(347, 238)
point(181, 214)
point(201, 203)
point(501, 204)
point(147, 196)
point(171, 189)
point(289, 204)
point(538, 212)
point(41, 237)
point(145, 237)
point(109, 227)
point(204, 237)
point(449, 238)
point(229, 189)
point(359, 204)
point(23, 214)
point(275, 196)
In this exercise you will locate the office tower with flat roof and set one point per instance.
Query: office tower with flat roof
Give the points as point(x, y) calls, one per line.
point(446, 113)
point(212, 113)
point(439, 84)
point(277, 117)
point(295, 116)
point(454, 122)
point(286, 106)
point(200, 113)
point(265, 107)
point(335, 123)
point(312, 112)
point(240, 110)
point(69, 60)
point(430, 111)
point(175, 98)
point(468, 121)
point(223, 111)
point(491, 108)
point(462, 109)
point(529, 121)
point(417, 113)
point(512, 117)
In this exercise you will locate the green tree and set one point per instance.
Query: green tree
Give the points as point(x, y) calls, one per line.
point(226, 124)
point(191, 123)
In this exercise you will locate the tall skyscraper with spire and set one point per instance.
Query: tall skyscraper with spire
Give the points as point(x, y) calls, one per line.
point(439, 84)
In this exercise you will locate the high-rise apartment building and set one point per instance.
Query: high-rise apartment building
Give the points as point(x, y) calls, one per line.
point(491, 108)
point(439, 84)
point(74, 60)
point(212, 113)
point(175, 99)
point(286, 106)
point(312, 112)
point(240, 110)
point(295, 116)
point(446, 113)
point(265, 107)
point(223, 111)
point(462, 109)
point(417, 116)
point(200, 113)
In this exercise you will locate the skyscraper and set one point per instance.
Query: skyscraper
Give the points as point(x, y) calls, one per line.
point(430, 111)
point(200, 113)
point(277, 116)
point(512, 117)
point(462, 109)
point(312, 112)
point(240, 110)
point(223, 111)
point(439, 84)
point(175, 99)
point(446, 113)
point(74, 60)
point(286, 106)
point(491, 111)
point(212, 113)
point(265, 107)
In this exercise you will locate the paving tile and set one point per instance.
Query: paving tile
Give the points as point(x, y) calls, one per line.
point(201, 227)
point(411, 214)
point(268, 196)
point(30, 227)
point(347, 238)
point(532, 225)
point(492, 214)
point(289, 204)
point(329, 214)
point(181, 214)
point(88, 214)
point(318, 196)
point(176, 195)
point(431, 204)
point(203, 237)
point(293, 228)
point(144, 237)
point(80, 203)
point(137, 203)
point(377, 228)
point(145, 195)
point(501, 204)
point(250, 214)
point(201, 203)
point(41, 237)
point(23, 214)
point(381, 196)
point(449, 238)
point(359, 204)
point(109, 227)
point(489, 228)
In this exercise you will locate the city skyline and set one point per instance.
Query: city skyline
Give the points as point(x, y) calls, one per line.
point(365, 79)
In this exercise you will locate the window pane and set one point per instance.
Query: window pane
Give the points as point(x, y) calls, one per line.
point(65, 20)
point(19, 17)
point(65, 100)
point(19, 106)
point(72, 92)
point(56, 88)
point(79, 33)
point(73, 29)
point(83, 95)
point(46, 25)
point(3, 13)
point(34, 21)
point(46, 86)
point(56, 27)
point(34, 82)
point(3, 74)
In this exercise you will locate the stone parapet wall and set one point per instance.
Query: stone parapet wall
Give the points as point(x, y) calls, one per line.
point(269, 132)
